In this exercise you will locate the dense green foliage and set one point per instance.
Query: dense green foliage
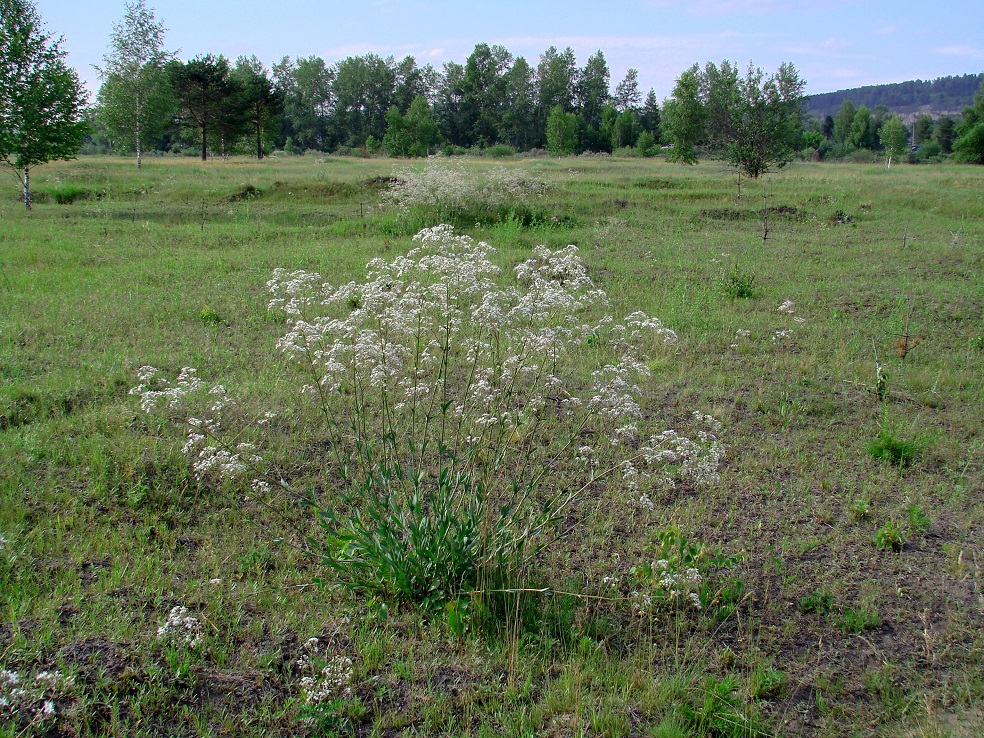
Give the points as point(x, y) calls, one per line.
point(969, 143)
point(135, 100)
point(893, 138)
point(752, 122)
point(941, 95)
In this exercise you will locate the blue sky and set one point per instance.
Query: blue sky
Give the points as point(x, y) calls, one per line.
point(835, 44)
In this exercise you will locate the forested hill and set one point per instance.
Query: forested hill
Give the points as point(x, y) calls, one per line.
point(946, 95)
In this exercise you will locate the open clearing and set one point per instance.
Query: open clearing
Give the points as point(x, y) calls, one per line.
point(824, 631)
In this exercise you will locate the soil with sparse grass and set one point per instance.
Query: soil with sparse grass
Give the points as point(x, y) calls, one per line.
point(852, 500)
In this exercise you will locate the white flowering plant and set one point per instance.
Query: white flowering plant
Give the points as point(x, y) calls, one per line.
point(29, 702)
point(455, 403)
point(325, 684)
point(448, 192)
point(465, 413)
point(682, 575)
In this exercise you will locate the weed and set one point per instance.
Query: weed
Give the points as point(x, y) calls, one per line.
point(817, 601)
point(860, 509)
point(209, 317)
point(919, 521)
point(858, 620)
point(767, 682)
point(680, 576)
point(889, 445)
point(890, 536)
point(738, 284)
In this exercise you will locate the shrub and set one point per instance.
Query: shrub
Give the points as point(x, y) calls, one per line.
point(65, 193)
point(499, 151)
point(889, 446)
point(646, 145)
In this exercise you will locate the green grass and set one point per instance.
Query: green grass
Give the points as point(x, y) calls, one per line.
point(106, 529)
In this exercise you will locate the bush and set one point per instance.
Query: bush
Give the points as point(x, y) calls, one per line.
point(889, 445)
point(65, 193)
point(646, 145)
point(499, 151)
point(738, 284)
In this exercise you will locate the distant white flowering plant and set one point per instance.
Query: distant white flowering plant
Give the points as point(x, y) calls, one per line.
point(444, 190)
point(326, 677)
point(30, 702)
point(181, 629)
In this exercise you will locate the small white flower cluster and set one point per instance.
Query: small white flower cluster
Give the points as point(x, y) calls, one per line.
point(155, 388)
point(669, 588)
point(329, 679)
point(742, 334)
point(33, 699)
point(669, 458)
point(209, 457)
point(181, 629)
point(788, 309)
point(781, 334)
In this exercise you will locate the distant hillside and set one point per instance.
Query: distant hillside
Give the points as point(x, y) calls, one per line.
point(943, 96)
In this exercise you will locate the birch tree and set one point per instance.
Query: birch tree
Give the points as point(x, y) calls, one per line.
point(135, 98)
point(41, 98)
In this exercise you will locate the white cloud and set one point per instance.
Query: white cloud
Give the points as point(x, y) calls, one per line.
point(826, 47)
point(707, 8)
point(965, 51)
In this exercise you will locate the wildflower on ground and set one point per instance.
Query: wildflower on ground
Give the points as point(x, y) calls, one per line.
point(32, 699)
point(181, 629)
point(326, 679)
point(450, 389)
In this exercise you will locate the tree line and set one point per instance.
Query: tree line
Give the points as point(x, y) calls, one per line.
point(940, 96)
point(150, 100)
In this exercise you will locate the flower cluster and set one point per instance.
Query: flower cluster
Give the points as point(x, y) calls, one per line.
point(155, 389)
point(211, 458)
point(327, 678)
point(450, 189)
point(677, 578)
point(669, 458)
point(181, 629)
point(433, 332)
point(676, 589)
point(32, 699)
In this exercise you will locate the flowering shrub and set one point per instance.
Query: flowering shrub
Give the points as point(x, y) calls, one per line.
point(445, 191)
point(460, 418)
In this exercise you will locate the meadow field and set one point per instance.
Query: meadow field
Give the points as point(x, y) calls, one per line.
point(830, 317)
